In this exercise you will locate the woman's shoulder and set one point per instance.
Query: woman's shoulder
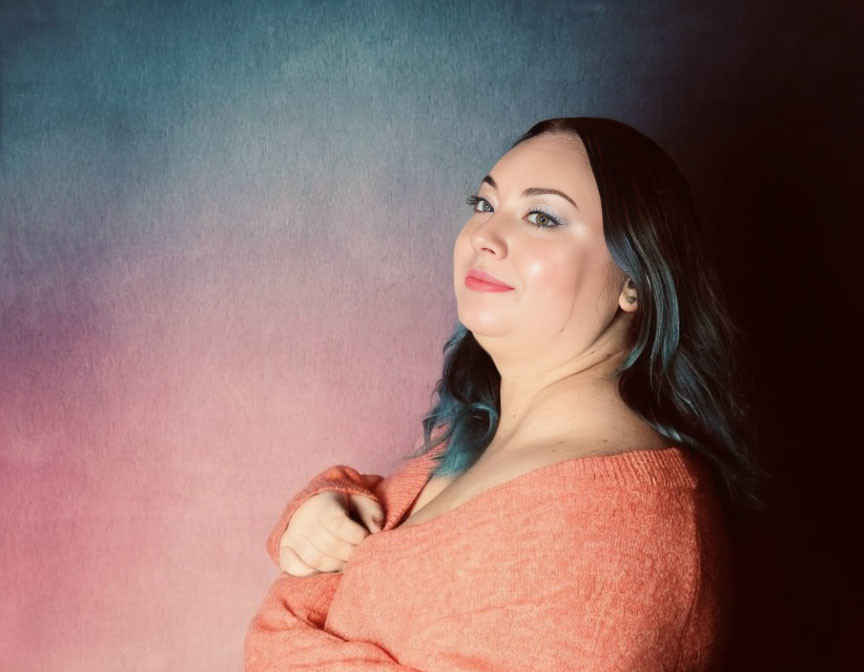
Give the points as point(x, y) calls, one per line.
point(659, 502)
point(670, 484)
point(635, 467)
point(655, 514)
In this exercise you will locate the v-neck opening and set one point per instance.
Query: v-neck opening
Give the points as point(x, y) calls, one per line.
point(621, 467)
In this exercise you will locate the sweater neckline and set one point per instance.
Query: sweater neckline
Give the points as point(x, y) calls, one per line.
point(669, 467)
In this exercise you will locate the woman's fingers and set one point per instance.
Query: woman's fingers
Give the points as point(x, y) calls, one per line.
point(322, 552)
point(340, 524)
point(335, 545)
point(322, 534)
point(304, 557)
point(369, 511)
point(291, 563)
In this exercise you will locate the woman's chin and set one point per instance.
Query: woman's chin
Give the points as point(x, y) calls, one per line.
point(480, 326)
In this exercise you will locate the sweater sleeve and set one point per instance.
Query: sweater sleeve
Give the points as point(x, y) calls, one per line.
point(288, 633)
point(341, 478)
point(289, 630)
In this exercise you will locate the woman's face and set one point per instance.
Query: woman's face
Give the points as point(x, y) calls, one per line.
point(566, 289)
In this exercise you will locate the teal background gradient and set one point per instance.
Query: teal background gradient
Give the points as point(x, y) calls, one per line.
point(225, 264)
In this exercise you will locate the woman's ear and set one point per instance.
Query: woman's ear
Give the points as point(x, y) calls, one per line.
point(628, 299)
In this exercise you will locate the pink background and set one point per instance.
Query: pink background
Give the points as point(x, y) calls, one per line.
point(161, 406)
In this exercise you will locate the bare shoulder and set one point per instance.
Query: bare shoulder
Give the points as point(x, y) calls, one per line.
point(614, 441)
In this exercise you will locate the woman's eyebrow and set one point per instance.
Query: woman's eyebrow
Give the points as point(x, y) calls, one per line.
point(534, 191)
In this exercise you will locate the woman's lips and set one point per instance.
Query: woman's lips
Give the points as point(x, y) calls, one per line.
point(482, 281)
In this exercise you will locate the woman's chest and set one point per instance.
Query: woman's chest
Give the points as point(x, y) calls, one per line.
point(431, 501)
point(401, 580)
point(442, 494)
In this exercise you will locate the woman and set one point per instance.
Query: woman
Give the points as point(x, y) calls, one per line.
point(565, 511)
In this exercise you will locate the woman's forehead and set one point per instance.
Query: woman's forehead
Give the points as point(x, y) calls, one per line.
point(556, 162)
point(545, 155)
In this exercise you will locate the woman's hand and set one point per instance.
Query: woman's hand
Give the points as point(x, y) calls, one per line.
point(321, 534)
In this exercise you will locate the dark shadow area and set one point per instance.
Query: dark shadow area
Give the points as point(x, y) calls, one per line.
point(779, 185)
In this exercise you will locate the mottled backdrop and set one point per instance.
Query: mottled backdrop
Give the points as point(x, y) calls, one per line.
point(225, 237)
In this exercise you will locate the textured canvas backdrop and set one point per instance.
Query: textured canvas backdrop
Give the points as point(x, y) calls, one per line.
point(226, 237)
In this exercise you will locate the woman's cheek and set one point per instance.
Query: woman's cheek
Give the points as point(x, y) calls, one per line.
point(556, 289)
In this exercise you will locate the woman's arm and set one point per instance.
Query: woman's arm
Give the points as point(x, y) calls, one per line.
point(288, 632)
point(345, 479)
point(341, 478)
point(632, 586)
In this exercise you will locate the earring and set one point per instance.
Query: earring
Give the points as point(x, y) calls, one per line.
point(630, 283)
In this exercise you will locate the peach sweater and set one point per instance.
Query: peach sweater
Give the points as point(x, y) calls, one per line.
point(608, 563)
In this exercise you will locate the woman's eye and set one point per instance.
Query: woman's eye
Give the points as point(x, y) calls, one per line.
point(542, 219)
point(479, 204)
point(538, 218)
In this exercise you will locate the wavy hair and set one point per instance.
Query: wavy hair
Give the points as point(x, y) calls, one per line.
point(686, 373)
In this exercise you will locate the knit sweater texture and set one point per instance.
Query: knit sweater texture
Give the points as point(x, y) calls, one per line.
point(601, 563)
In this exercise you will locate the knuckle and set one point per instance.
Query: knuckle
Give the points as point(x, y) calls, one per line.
point(333, 516)
point(311, 554)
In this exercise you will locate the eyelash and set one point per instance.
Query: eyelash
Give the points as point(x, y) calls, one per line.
point(474, 199)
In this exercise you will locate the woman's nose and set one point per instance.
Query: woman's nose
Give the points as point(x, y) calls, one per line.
point(489, 237)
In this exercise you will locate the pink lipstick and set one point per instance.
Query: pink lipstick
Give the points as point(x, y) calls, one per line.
point(481, 281)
